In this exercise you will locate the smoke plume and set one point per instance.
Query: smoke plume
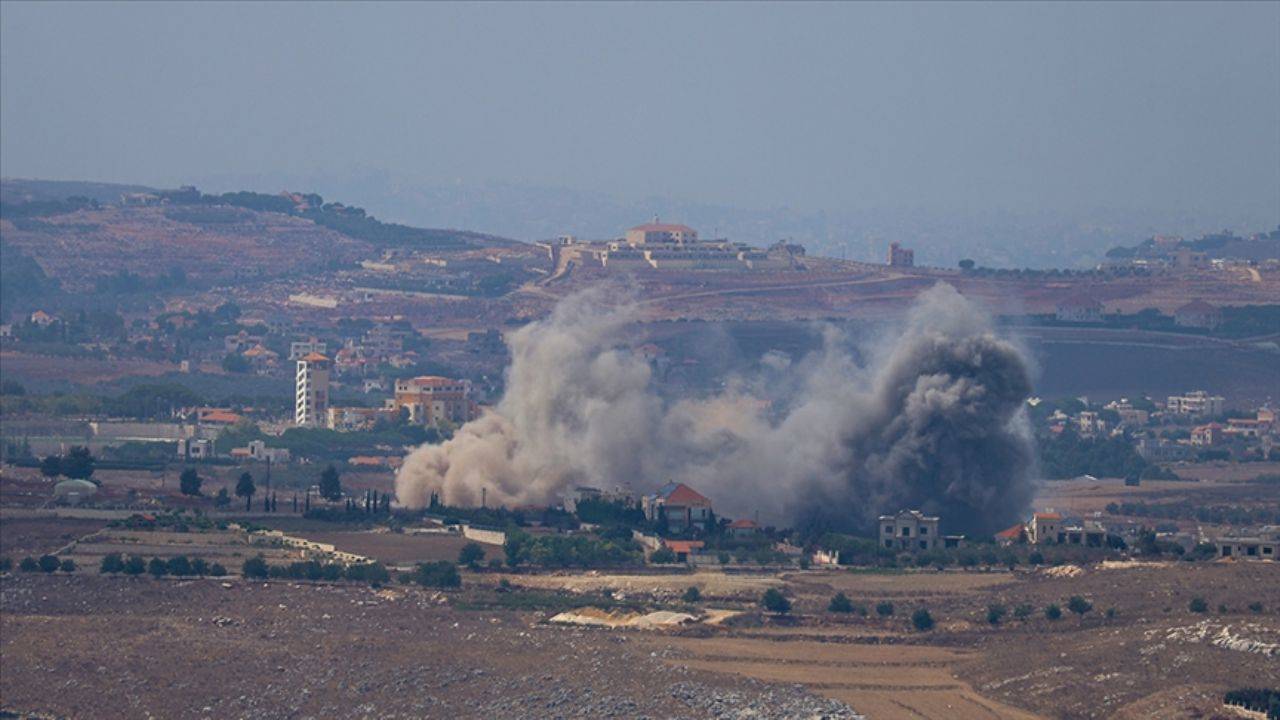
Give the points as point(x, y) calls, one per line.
point(931, 420)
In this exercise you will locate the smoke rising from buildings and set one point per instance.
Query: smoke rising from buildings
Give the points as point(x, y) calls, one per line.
point(931, 420)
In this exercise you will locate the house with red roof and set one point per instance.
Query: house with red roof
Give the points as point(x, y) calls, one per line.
point(743, 528)
point(679, 507)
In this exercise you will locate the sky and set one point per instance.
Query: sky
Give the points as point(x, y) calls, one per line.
point(819, 107)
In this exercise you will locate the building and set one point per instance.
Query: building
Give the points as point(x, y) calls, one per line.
point(1198, 314)
point(74, 491)
point(909, 530)
point(1044, 528)
point(1015, 535)
point(42, 319)
point(1079, 309)
point(1260, 546)
point(1196, 402)
point(195, 448)
point(300, 348)
point(311, 397)
point(356, 418)
point(1208, 435)
point(432, 399)
point(743, 528)
point(684, 550)
point(661, 233)
point(900, 256)
point(682, 507)
point(1049, 528)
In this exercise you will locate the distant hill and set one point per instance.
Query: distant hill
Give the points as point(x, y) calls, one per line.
point(14, 191)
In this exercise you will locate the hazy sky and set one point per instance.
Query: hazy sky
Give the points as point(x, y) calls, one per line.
point(826, 106)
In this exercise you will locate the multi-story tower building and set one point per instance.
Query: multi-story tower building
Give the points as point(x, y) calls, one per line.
point(311, 406)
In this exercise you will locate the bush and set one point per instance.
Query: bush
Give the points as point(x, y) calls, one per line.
point(49, 563)
point(217, 570)
point(1198, 605)
point(1255, 607)
point(840, 603)
point(470, 555)
point(662, 556)
point(440, 574)
point(1052, 612)
point(199, 566)
point(692, 595)
point(68, 566)
point(1079, 605)
point(157, 567)
point(1110, 613)
point(1222, 609)
point(135, 566)
point(28, 564)
point(1023, 611)
point(996, 613)
point(111, 563)
point(921, 620)
point(1035, 558)
point(884, 608)
point(179, 565)
point(6, 564)
point(775, 602)
point(255, 567)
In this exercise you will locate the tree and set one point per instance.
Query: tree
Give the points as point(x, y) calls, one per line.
point(78, 463)
point(68, 565)
point(51, 466)
point(775, 602)
point(245, 489)
point(28, 564)
point(330, 486)
point(692, 594)
point(235, 363)
point(1079, 605)
point(217, 570)
point(189, 482)
point(49, 563)
point(157, 567)
point(254, 567)
point(1052, 612)
point(921, 620)
point(440, 574)
point(966, 264)
point(662, 556)
point(995, 613)
point(1035, 558)
point(884, 608)
point(1023, 611)
point(199, 566)
point(840, 603)
point(222, 499)
point(179, 565)
point(470, 555)
point(516, 547)
point(134, 566)
point(1198, 605)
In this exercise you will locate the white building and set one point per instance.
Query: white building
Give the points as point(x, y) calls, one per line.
point(909, 530)
point(311, 401)
point(1196, 402)
point(301, 348)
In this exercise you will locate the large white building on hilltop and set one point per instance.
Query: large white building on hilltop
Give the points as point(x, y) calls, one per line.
point(669, 246)
point(311, 401)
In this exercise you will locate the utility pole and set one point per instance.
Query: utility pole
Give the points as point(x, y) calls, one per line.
point(484, 492)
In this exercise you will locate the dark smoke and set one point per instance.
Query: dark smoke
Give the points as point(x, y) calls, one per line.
point(933, 421)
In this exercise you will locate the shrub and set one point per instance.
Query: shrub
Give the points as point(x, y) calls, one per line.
point(1198, 605)
point(723, 558)
point(1035, 558)
point(68, 565)
point(692, 595)
point(135, 566)
point(775, 602)
point(111, 563)
point(49, 563)
point(157, 567)
point(1079, 605)
point(28, 564)
point(199, 566)
point(662, 556)
point(6, 564)
point(921, 620)
point(470, 555)
point(840, 603)
point(1052, 612)
point(995, 613)
point(178, 565)
point(254, 567)
point(1255, 607)
point(440, 574)
point(1023, 611)
point(217, 570)
point(1222, 609)
point(1111, 613)
point(884, 608)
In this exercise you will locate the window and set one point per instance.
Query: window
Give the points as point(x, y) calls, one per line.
point(888, 529)
point(906, 532)
point(924, 544)
point(924, 531)
point(888, 543)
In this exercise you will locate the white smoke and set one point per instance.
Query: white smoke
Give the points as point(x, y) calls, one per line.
point(931, 421)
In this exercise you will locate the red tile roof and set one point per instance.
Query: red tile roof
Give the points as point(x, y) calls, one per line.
point(1012, 533)
point(743, 524)
point(314, 357)
point(683, 546)
point(685, 496)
